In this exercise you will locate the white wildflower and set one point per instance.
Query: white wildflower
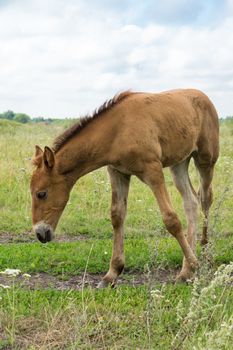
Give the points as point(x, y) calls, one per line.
point(155, 291)
point(156, 294)
point(11, 272)
point(4, 286)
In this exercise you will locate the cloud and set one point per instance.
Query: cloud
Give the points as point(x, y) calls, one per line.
point(63, 59)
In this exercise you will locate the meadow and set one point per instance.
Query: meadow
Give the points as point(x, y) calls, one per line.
point(58, 308)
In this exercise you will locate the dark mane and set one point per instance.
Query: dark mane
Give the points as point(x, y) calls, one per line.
point(62, 139)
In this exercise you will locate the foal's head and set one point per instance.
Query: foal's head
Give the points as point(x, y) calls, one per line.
point(50, 193)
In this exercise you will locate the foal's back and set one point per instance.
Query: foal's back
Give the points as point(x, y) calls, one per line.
point(168, 126)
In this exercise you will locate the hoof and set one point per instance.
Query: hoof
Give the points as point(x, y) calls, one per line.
point(204, 241)
point(194, 265)
point(104, 284)
point(181, 278)
point(184, 276)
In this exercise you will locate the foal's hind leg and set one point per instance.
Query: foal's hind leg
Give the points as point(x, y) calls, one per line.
point(183, 184)
point(153, 176)
point(120, 188)
point(205, 193)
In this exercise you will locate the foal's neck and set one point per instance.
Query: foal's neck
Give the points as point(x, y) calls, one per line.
point(88, 150)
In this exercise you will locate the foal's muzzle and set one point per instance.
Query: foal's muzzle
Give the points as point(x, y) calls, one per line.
point(44, 232)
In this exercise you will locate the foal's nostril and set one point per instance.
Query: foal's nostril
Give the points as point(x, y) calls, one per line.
point(48, 235)
point(40, 238)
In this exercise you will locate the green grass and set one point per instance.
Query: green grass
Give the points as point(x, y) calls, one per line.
point(71, 257)
point(128, 317)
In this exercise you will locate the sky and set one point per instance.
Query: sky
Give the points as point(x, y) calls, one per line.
point(63, 58)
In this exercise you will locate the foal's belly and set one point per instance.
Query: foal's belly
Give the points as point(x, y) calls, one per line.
point(176, 152)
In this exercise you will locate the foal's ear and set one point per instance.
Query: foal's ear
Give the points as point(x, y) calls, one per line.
point(37, 160)
point(48, 157)
point(38, 151)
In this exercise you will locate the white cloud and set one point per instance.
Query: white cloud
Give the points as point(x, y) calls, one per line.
point(62, 58)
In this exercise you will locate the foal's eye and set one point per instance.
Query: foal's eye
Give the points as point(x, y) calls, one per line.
point(41, 195)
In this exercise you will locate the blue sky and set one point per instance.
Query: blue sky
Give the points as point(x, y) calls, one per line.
point(63, 58)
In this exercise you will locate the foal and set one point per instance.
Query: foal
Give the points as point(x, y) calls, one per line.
point(133, 134)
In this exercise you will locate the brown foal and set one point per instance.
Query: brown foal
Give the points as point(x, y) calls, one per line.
point(134, 134)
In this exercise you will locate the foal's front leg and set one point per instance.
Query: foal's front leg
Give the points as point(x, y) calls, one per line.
point(120, 189)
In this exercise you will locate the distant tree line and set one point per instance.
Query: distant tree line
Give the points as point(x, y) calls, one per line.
point(18, 117)
point(228, 119)
point(23, 118)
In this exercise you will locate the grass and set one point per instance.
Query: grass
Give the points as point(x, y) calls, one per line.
point(152, 316)
point(71, 258)
point(125, 318)
point(96, 319)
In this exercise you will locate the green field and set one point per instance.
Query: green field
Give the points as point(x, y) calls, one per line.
point(154, 313)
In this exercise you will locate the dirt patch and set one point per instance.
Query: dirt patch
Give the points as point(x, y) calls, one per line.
point(29, 237)
point(45, 281)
